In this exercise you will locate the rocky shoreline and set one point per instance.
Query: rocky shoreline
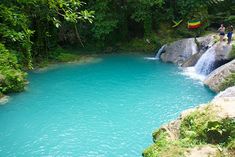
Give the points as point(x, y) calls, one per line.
point(209, 129)
point(187, 52)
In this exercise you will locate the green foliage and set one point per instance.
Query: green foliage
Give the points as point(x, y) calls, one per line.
point(163, 147)
point(193, 126)
point(220, 131)
point(232, 54)
point(142, 12)
point(139, 45)
point(199, 128)
point(25, 23)
point(231, 148)
point(64, 56)
point(203, 127)
point(228, 82)
point(105, 21)
point(30, 29)
point(12, 79)
point(15, 33)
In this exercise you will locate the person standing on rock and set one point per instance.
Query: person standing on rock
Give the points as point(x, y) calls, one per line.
point(221, 32)
point(230, 34)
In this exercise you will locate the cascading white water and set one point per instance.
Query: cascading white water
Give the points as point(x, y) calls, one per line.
point(205, 64)
point(158, 54)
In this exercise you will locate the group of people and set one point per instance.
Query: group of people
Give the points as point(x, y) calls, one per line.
point(222, 33)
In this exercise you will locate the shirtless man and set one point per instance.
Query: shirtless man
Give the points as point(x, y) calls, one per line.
point(221, 32)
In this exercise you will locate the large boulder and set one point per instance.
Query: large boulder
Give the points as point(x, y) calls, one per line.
point(171, 129)
point(205, 42)
point(222, 54)
point(180, 51)
point(225, 103)
point(216, 79)
point(229, 93)
point(186, 52)
point(192, 60)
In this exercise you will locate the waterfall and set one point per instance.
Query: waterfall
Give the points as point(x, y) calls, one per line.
point(158, 54)
point(205, 64)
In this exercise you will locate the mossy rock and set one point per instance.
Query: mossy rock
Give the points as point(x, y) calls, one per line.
point(227, 82)
point(203, 132)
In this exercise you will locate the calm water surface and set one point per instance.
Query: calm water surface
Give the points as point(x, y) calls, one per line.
point(109, 108)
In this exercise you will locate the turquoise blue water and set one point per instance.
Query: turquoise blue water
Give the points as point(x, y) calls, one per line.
point(107, 109)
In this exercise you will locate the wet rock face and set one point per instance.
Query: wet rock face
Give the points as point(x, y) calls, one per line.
point(192, 60)
point(218, 76)
point(186, 52)
point(180, 51)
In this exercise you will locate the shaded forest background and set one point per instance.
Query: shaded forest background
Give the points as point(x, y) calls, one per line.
point(35, 31)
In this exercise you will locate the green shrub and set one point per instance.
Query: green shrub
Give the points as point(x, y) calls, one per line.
point(140, 45)
point(202, 127)
point(220, 131)
point(62, 55)
point(193, 126)
point(163, 147)
point(228, 82)
point(12, 78)
point(232, 54)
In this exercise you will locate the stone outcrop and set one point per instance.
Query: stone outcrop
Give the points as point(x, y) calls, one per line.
point(4, 99)
point(192, 60)
point(215, 80)
point(172, 130)
point(228, 94)
point(222, 107)
point(180, 51)
point(222, 52)
point(204, 151)
point(187, 52)
point(203, 44)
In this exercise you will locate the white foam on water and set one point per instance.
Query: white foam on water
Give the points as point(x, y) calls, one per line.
point(191, 73)
point(151, 58)
point(157, 54)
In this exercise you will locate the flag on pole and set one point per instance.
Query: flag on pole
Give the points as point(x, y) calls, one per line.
point(194, 24)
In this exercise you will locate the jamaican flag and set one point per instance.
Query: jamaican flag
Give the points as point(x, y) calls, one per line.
point(192, 24)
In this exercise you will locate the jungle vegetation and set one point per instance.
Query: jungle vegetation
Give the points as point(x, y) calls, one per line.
point(32, 31)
